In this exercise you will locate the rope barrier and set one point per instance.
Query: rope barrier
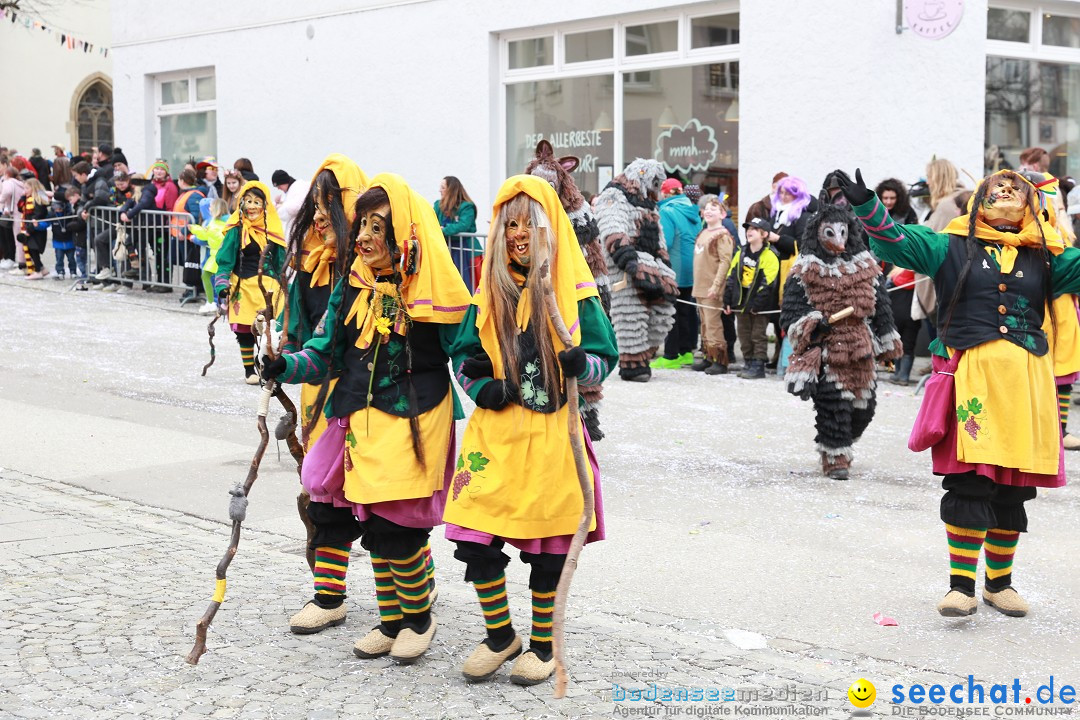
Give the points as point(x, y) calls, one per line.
point(908, 286)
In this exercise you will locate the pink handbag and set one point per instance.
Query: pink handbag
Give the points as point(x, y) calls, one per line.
point(938, 406)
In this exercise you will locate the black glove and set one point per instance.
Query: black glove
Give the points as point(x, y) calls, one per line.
point(496, 395)
point(272, 368)
point(478, 366)
point(223, 301)
point(855, 191)
point(573, 361)
point(820, 331)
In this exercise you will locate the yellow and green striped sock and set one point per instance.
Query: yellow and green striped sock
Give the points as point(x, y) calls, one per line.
point(1064, 395)
point(386, 596)
point(1000, 549)
point(964, 546)
point(331, 565)
point(543, 609)
point(496, 609)
point(411, 581)
point(429, 564)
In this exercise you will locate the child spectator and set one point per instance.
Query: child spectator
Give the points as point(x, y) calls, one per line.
point(63, 247)
point(210, 235)
point(76, 230)
point(752, 290)
point(35, 211)
point(119, 195)
point(713, 250)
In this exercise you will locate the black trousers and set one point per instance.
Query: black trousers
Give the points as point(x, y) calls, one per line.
point(484, 563)
point(7, 239)
point(683, 337)
point(908, 328)
point(974, 501)
point(333, 525)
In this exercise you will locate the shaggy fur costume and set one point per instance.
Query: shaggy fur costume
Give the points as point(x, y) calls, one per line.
point(643, 283)
point(834, 365)
point(557, 172)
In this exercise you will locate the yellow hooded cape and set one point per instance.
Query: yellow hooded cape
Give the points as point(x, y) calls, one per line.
point(1029, 235)
point(251, 231)
point(435, 293)
point(317, 256)
point(572, 280)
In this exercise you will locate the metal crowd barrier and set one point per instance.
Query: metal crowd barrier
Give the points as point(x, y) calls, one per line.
point(158, 240)
point(467, 250)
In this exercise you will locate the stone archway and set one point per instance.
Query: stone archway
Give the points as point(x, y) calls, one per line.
point(91, 113)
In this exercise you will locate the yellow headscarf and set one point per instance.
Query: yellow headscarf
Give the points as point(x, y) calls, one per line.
point(572, 280)
point(317, 257)
point(1029, 235)
point(251, 231)
point(435, 293)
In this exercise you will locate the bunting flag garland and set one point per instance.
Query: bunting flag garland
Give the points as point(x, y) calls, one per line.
point(66, 39)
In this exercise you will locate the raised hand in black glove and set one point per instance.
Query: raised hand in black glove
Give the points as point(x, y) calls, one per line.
point(272, 368)
point(855, 191)
point(478, 366)
point(496, 395)
point(572, 361)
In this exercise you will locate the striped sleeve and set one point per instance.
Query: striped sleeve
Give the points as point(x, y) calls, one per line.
point(306, 366)
point(914, 247)
point(596, 369)
point(221, 283)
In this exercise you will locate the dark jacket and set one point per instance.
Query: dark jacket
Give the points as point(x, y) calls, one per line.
point(753, 281)
point(41, 167)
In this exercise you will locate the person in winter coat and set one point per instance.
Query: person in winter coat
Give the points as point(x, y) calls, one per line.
point(752, 290)
point(457, 214)
point(159, 194)
point(207, 171)
point(120, 195)
point(713, 251)
point(11, 190)
point(680, 223)
point(41, 168)
point(35, 230)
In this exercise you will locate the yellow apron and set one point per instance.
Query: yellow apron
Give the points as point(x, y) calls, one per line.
point(308, 393)
point(248, 300)
point(380, 464)
point(515, 477)
point(1007, 410)
point(1063, 334)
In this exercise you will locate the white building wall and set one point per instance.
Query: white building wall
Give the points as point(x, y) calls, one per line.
point(412, 86)
point(41, 76)
point(828, 85)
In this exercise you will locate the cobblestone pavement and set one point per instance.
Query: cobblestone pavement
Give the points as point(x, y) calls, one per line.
point(730, 563)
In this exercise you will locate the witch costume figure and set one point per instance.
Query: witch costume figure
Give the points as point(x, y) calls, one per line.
point(387, 453)
point(995, 269)
point(643, 289)
point(833, 363)
point(556, 171)
point(318, 245)
point(515, 479)
point(254, 225)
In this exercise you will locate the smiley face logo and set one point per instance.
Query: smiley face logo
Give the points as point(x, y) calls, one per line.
point(862, 693)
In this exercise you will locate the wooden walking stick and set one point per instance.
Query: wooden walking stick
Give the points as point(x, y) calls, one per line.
point(210, 337)
point(578, 541)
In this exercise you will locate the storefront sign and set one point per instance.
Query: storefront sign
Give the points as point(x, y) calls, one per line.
point(683, 148)
point(933, 19)
point(570, 142)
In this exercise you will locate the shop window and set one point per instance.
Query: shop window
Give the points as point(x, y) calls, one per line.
point(1008, 25)
point(576, 120)
point(1061, 31)
point(588, 46)
point(690, 122)
point(652, 38)
point(534, 52)
point(1031, 103)
point(186, 120)
point(714, 31)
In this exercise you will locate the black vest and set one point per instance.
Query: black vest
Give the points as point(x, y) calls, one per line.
point(313, 301)
point(247, 261)
point(993, 305)
point(393, 383)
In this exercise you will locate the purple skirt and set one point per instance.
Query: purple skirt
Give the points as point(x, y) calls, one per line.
point(556, 544)
point(323, 476)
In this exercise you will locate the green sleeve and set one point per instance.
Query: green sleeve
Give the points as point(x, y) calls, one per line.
point(464, 345)
point(447, 333)
point(915, 247)
point(597, 340)
point(226, 255)
point(1065, 272)
point(466, 221)
point(275, 259)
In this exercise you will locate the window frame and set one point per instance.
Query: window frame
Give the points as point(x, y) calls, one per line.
point(191, 106)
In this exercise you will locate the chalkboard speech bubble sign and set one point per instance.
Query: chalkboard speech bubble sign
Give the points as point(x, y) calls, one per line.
point(933, 19)
point(683, 148)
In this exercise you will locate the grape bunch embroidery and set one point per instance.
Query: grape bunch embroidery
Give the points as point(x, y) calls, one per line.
point(463, 476)
point(969, 414)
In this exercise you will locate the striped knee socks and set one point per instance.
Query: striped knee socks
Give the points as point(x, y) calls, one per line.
point(543, 609)
point(964, 546)
point(1000, 548)
point(429, 564)
point(1064, 395)
point(496, 610)
point(331, 565)
point(386, 596)
point(411, 582)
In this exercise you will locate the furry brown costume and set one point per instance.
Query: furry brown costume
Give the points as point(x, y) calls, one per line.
point(834, 364)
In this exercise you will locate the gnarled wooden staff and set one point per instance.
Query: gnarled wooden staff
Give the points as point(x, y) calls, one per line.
point(562, 590)
point(210, 337)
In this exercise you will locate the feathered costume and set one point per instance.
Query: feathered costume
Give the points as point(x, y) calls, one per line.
point(643, 287)
point(834, 364)
point(556, 171)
